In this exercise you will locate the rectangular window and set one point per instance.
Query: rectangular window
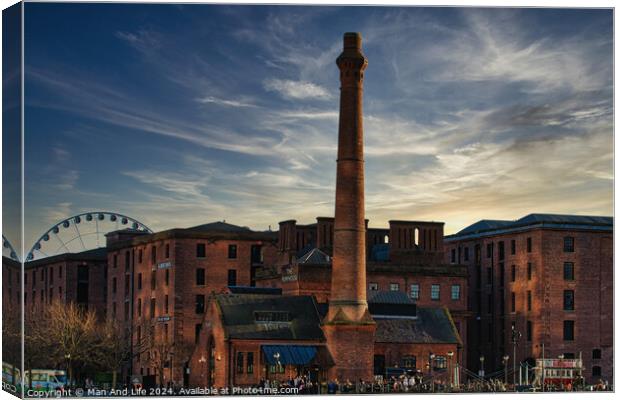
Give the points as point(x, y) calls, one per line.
point(153, 279)
point(394, 287)
point(569, 271)
point(466, 253)
point(529, 245)
point(502, 274)
point(239, 362)
point(152, 311)
point(201, 250)
point(569, 300)
point(232, 277)
point(440, 363)
point(167, 277)
point(113, 309)
point(139, 307)
point(500, 250)
point(455, 292)
point(140, 256)
point(197, 330)
point(126, 285)
point(569, 330)
point(232, 251)
point(435, 292)
point(250, 362)
point(569, 244)
point(140, 281)
point(453, 256)
point(529, 300)
point(200, 304)
point(51, 276)
point(126, 311)
point(127, 258)
point(528, 335)
point(113, 285)
point(513, 301)
point(513, 247)
point(60, 271)
point(513, 273)
point(415, 291)
point(372, 286)
point(490, 275)
point(167, 250)
point(153, 254)
point(166, 304)
point(596, 354)
point(200, 276)
point(529, 271)
point(477, 253)
point(489, 250)
point(115, 261)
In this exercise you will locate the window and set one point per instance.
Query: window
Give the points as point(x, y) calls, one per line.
point(152, 310)
point(232, 251)
point(394, 287)
point(140, 281)
point(140, 256)
point(453, 256)
point(126, 285)
point(113, 308)
point(197, 330)
point(513, 301)
point(415, 291)
point(489, 250)
point(569, 300)
point(529, 245)
point(372, 286)
point(502, 274)
point(250, 363)
point(239, 362)
point(167, 250)
point(167, 277)
point(596, 371)
point(500, 250)
point(569, 330)
point(113, 285)
point(596, 354)
point(408, 361)
point(166, 304)
point(51, 276)
point(153, 279)
point(434, 292)
point(440, 363)
point(477, 253)
point(513, 273)
point(490, 275)
point(60, 271)
point(529, 271)
point(569, 271)
point(201, 250)
point(200, 276)
point(513, 247)
point(569, 244)
point(232, 277)
point(139, 307)
point(528, 333)
point(200, 304)
point(455, 292)
point(466, 253)
point(153, 254)
point(529, 300)
point(51, 295)
point(569, 356)
point(126, 311)
point(114, 261)
point(127, 258)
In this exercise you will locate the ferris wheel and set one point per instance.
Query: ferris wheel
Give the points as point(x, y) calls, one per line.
point(8, 250)
point(82, 232)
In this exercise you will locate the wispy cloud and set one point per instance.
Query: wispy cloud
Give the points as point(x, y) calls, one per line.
point(224, 102)
point(296, 89)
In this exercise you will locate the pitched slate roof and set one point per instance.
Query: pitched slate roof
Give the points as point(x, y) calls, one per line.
point(98, 254)
point(389, 297)
point(384, 304)
point(219, 227)
point(254, 290)
point(432, 325)
point(531, 221)
point(240, 322)
point(315, 257)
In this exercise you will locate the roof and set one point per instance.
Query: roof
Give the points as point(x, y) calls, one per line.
point(389, 297)
point(254, 290)
point(219, 227)
point(396, 304)
point(240, 321)
point(532, 221)
point(293, 354)
point(98, 254)
point(433, 325)
point(316, 257)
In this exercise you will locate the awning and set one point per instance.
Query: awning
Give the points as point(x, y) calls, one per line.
point(289, 354)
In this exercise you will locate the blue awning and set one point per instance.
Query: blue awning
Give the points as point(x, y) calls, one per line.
point(289, 354)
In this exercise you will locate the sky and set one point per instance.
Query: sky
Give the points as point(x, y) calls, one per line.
point(179, 115)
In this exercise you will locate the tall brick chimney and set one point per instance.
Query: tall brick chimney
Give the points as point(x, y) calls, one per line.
point(348, 326)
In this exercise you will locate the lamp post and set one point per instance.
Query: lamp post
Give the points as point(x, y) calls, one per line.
point(202, 362)
point(450, 354)
point(505, 362)
point(481, 372)
point(69, 371)
point(276, 357)
point(431, 365)
point(516, 335)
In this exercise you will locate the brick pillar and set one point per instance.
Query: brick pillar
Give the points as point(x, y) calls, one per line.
point(348, 326)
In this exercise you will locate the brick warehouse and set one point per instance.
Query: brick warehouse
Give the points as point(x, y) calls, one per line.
point(549, 276)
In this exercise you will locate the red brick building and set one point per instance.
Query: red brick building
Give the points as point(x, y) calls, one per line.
point(549, 276)
point(159, 285)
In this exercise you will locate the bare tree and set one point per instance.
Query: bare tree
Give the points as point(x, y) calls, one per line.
point(112, 348)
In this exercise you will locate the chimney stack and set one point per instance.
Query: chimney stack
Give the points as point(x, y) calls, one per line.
point(348, 326)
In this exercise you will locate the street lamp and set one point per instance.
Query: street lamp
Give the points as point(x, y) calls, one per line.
point(481, 372)
point(450, 354)
point(505, 362)
point(202, 362)
point(516, 335)
point(431, 365)
point(561, 356)
point(69, 371)
point(276, 357)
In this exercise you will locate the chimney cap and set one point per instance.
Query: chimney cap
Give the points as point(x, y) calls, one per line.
point(352, 40)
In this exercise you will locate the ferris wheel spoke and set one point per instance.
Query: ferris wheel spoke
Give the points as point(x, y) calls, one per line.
point(77, 230)
point(97, 229)
point(63, 243)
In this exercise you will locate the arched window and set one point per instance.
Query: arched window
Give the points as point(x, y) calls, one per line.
point(417, 236)
point(596, 371)
point(386, 239)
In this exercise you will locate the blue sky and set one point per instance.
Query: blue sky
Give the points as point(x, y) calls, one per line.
point(184, 114)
